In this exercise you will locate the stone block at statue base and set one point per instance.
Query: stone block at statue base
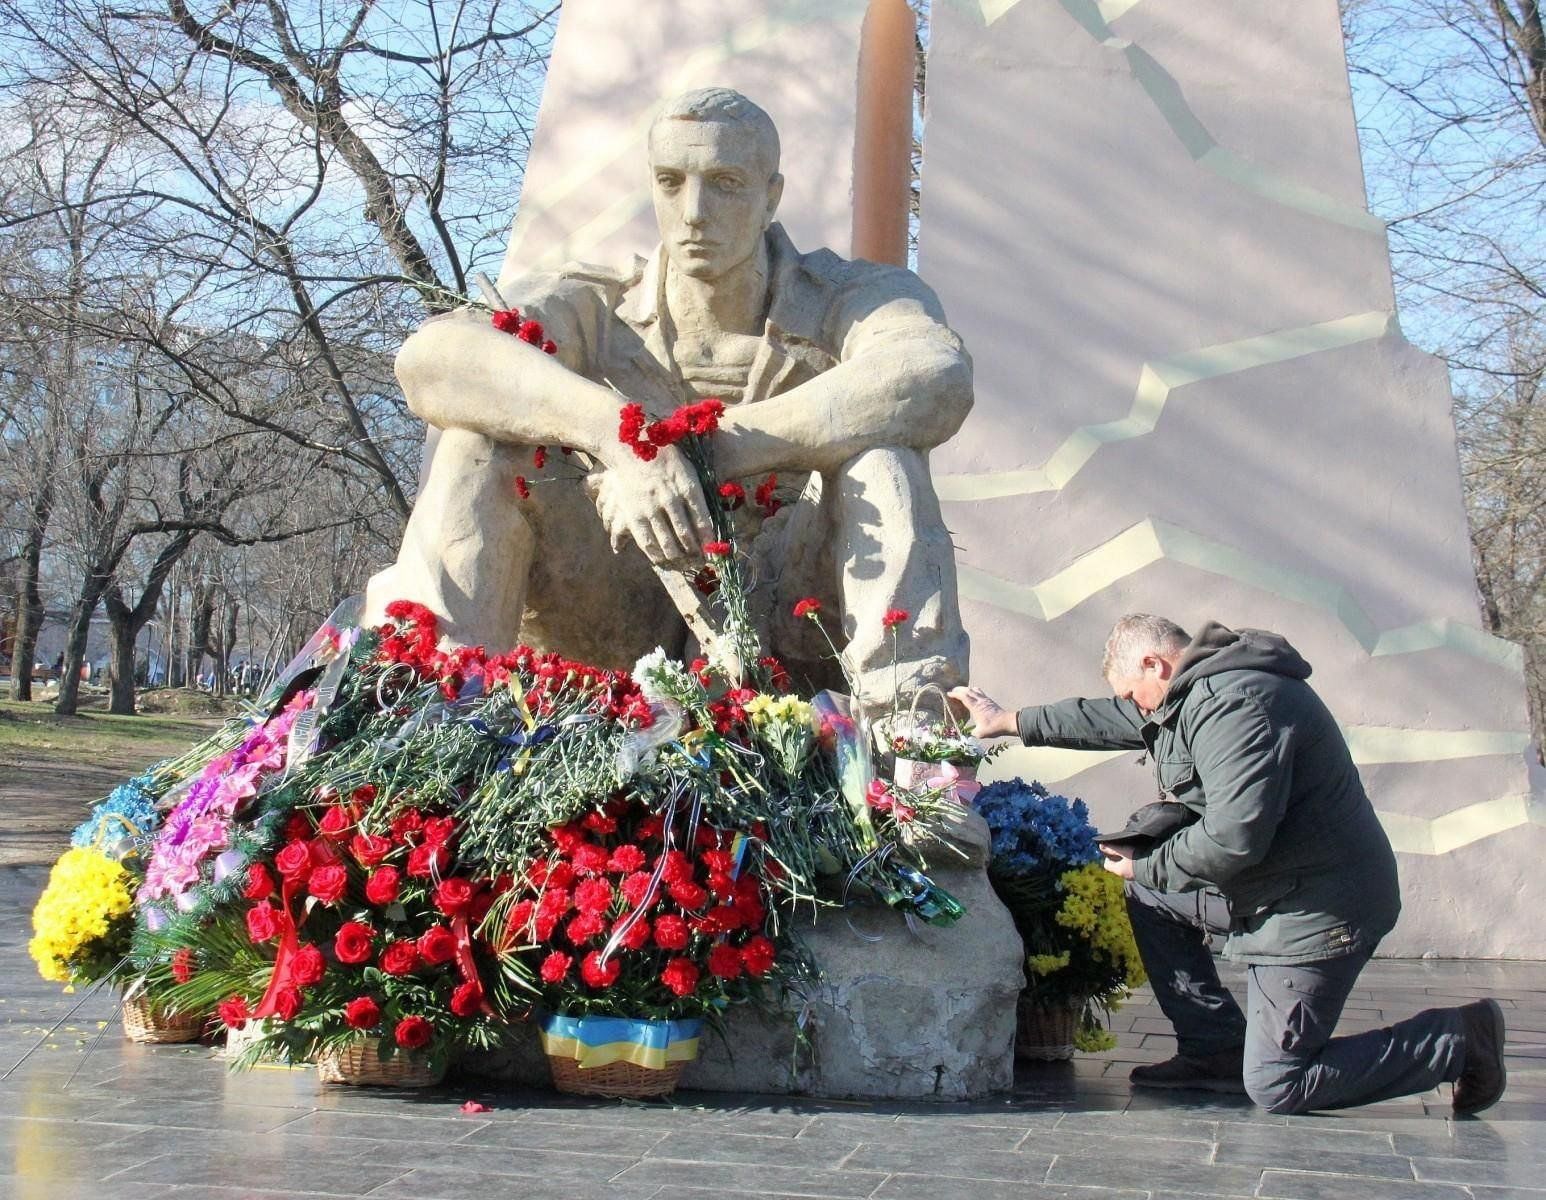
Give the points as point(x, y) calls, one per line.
point(915, 1015)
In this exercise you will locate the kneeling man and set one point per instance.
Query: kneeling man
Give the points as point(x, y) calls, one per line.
point(1286, 856)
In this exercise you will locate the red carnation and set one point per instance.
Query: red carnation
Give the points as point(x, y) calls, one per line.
point(550, 347)
point(382, 887)
point(337, 821)
point(233, 1012)
point(454, 896)
point(776, 670)
point(894, 617)
point(555, 967)
point(716, 549)
point(329, 883)
point(717, 860)
point(670, 932)
point(678, 867)
point(413, 1033)
point(400, 958)
point(362, 1013)
point(764, 496)
point(518, 923)
point(650, 828)
point(590, 859)
point(583, 927)
point(725, 961)
point(635, 888)
point(808, 607)
point(637, 935)
point(354, 943)
point(467, 998)
point(733, 495)
point(287, 1003)
point(681, 976)
point(294, 861)
point(561, 875)
point(593, 896)
point(260, 884)
point(307, 967)
point(539, 457)
point(597, 974)
point(757, 956)
point(522, 488)
point(688, 895)
point(437, 945)
point(600, 822)
point(370, 848)
point(508, 320)
point(625, 858)
point(262, 922)
point(532, 332)
point(184, 966)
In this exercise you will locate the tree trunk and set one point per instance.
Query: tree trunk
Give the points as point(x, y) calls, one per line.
point(200, 614)
point(29, 595)
point(121, 664)
point(75, 646)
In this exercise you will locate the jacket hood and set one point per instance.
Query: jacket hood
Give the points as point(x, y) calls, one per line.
point(1217, 649)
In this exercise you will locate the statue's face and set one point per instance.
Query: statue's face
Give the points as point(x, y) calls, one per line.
point(713, 195)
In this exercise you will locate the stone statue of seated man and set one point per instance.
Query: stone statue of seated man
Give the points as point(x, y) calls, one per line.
point(838, 378)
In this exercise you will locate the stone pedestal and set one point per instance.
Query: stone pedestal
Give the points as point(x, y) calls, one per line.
point(901, 1014)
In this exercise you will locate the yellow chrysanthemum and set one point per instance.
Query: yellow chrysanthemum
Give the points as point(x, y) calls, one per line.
point(86, 893)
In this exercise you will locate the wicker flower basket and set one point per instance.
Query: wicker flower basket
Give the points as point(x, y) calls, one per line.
point(621, 1080)
point(1045, 1034)
point(360, 1063)
point(151, 1024)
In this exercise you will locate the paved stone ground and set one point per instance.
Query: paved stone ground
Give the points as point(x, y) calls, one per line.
point(140, 1122)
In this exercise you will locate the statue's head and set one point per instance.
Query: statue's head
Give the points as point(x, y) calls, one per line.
point(715, 181)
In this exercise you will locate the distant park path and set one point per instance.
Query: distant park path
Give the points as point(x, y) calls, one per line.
point(53, 768)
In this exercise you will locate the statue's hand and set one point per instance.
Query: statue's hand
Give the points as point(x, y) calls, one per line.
point(659, 504)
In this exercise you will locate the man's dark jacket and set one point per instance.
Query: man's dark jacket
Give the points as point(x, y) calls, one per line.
point(1286, 832)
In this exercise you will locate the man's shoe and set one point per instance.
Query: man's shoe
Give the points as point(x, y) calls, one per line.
point(1485, 1076)
point(1221, 1072)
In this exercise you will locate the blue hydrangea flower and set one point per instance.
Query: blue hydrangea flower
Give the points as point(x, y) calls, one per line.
point(1034, 830)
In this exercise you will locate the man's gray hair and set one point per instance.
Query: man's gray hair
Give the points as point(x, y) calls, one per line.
point(730, 107)
point(1138, 634)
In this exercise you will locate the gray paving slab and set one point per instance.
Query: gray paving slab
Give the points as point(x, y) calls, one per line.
point(172, 1123)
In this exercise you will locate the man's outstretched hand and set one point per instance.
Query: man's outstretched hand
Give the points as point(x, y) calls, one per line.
point(989, 718)
point(658, 504)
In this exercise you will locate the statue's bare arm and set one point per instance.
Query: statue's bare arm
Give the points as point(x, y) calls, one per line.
point(458, 372)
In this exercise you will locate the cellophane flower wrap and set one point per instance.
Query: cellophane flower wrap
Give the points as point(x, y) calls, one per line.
point(1069, 910)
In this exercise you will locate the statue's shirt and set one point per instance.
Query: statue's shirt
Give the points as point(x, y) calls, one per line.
point(822, 309)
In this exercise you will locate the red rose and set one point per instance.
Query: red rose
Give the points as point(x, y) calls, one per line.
point(438, 831)
point(287, 1003)
point(757, 956)
point(437, 945)
point(413, 1033)
point(370, 848)
point(681, 976)
point(638, 934)
point(353, 943)
point(689, 895)
point(555, 967)
point(593, 896)
point(670, 932)
point(626, 858)
point(262, 922)
point(382, 886)
point(328, 884)
point(467, 999)
point(635, 888)
point(294, 861)
point(400, 958)
point(410, 821)
point(597, 974)
point(297, 828)
point(584, 927)
point(307, 966)
point(454, 896)
point(427, 860)
point(725, 961)
point(362, 1013)
point(184, 967)
point(336, 821)
point(260, 884)
point(233, 1012)
point(807, 607)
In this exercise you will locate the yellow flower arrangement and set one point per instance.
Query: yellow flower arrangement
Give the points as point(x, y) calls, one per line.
point(764, 709)
point(80, 923)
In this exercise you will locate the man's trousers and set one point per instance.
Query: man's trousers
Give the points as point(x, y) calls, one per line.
point(1292, 1063)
